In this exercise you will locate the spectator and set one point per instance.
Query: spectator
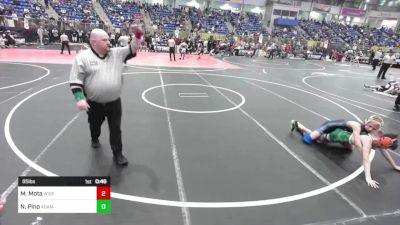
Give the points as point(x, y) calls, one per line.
point(40, 33)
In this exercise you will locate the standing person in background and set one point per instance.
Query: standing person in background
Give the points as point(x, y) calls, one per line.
point(182, 49)
point(2, 15)
point(40, 32)
point(96, 83)
point(397, 103)
point(74, 36)
point(371, 58)
point(123, 40)
point(54, 33)
point(80, 36)
point(200, 49)
point(171, 45)
point(387, 62)
point(112, 40)
point(377, 57)
point(64, 43)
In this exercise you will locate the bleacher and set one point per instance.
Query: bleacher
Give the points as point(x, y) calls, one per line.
point(166, 17)
point(120, 13)
point(287, 32)
point(320, 32)
point(211, 21)
point(378, 38)
point(76, 10)
point(22, 7)
point(252, 24)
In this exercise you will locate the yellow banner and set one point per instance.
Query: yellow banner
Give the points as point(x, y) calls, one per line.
point(315, 44)
point(234, 1)
point(206, 36)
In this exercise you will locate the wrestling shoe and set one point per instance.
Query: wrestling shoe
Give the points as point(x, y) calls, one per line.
point(120, 159)
point(396, 108)
point(366, 86)
point(293, 125)
point(95, 143)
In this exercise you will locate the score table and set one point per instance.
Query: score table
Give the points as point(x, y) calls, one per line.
point(64, 195)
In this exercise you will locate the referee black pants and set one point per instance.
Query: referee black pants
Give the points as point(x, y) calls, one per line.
point(171, 52)
point(382, 71)
point(397, 102)
point(63, 45)
point(113, 112)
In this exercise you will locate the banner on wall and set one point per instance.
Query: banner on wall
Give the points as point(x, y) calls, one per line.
point(246, 2)
point(255, 2)
point(335, 10)
point(304, 6)
point(353, 12)
point(233, 1)
point(206, 36)
point(286, 2)
point(231, 7)
point(286, 22)
point(321, 8)
point(384, 15)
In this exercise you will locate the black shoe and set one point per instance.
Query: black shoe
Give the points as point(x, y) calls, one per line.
point(383, 78)
point(396, 108)
point(293, 125)
point(120, 159)
point(95, 144)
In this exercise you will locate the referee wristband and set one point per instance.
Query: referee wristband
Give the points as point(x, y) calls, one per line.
point(78, 95)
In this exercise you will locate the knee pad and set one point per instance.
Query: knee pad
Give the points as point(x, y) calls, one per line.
point(307, 139)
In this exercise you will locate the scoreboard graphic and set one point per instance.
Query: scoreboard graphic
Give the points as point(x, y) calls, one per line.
point(64, 195)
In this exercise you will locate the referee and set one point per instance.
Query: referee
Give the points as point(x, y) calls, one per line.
point(171, 45)
point(64, 43)
point(96, 83)
point(388, 59)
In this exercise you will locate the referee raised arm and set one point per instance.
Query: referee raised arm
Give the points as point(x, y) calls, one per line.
point(96, 83)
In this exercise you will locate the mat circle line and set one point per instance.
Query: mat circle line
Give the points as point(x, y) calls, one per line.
point(154, 201)
point(26, 82)
point(277, 68)
point(192, 111)
point(171, 70)
point(198, 66)
point(271, 63)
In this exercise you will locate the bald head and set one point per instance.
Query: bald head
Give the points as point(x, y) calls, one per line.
point(100, 41)
point(97, 34)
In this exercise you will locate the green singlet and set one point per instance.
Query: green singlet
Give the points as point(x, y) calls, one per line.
point(340, 136)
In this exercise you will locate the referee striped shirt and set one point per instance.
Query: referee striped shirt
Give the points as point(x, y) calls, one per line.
point(100, 77)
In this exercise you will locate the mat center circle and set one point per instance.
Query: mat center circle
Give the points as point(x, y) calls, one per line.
point(194, 95)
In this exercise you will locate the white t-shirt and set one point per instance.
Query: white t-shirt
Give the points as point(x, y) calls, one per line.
point(171, 43)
